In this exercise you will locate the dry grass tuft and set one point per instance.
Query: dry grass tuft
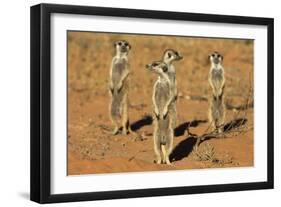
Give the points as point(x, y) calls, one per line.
point(206, 153)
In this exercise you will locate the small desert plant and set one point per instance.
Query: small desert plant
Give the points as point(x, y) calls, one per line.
point(205, 153)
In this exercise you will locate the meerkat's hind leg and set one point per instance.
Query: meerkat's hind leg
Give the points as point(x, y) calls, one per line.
point(174, 116)
point(126, 128)
point(167, 160)
point(158, 154)
point(157, 148)
point(168, 148)
point(220, 129)
point(220, 126)
point(114, 118)
point(219, 117)
point(115, 130)
point(165, 151)
point(125, 121)
point(114, 121)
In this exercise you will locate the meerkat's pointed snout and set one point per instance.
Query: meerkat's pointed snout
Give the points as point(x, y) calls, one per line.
point(216, 58)
point(179, 57)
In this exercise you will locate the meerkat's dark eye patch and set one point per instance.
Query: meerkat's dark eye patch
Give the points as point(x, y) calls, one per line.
point(126, 44)
point(119, 43)
point(177, 54)
point(154, 64)
point(164, 68)
point(169, 55)
point(213, 55)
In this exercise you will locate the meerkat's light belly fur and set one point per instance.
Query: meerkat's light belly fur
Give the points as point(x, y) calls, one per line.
point(173, 106)
point(118, 96)
point(162, 95)
point(216, 79)
point(163, 130)
point(118, 69)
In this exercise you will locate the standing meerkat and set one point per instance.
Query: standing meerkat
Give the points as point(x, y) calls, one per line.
point(217, 82)
point(169, 57)
point(163, 132)
point(119, 86)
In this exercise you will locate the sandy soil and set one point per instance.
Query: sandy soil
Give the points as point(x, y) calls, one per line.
point(91, 147)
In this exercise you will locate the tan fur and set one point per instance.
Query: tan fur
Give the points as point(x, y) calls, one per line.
point(163, 131)
point(217, 82)
point(217, 112)
point(119, 87)
point(169, 57)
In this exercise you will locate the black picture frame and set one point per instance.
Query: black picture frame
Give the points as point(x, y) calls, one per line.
point(41, 99)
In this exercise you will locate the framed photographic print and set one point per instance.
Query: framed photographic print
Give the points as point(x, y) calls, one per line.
point(133, 103)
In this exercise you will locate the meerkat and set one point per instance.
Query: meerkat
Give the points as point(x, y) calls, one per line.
point(217, 83)
point(119, 86)
point(163, 132)
point(169, 57)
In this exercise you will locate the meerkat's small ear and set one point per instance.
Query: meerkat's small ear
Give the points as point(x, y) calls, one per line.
point(130, 47)
point(221, 58)
point(154, 64)
point(114, 44)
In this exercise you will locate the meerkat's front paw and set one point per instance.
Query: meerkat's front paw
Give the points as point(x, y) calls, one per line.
point(165, 112)
point(119, 87)
point(111, 88)
point(157, 115)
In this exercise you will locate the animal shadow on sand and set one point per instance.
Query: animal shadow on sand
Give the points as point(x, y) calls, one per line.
point(232, 125)
point(236, 123)
point(145, 120)
point(185, 147)
point(180, 130)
